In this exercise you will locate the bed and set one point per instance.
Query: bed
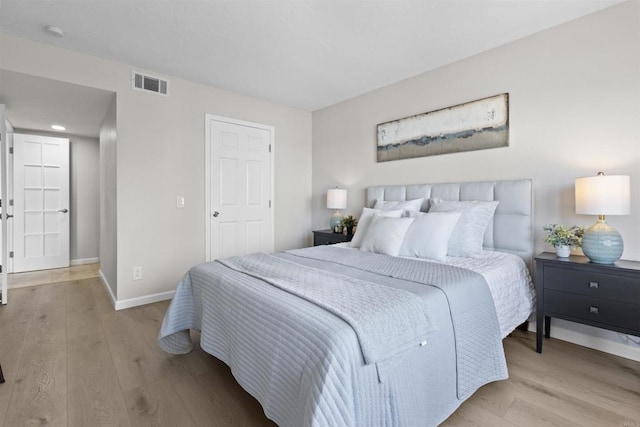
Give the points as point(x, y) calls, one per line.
point(341, 336)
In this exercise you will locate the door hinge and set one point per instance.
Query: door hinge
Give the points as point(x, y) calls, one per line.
point(11, 254)
point(10, 202)
point(269, 147)
point(269, 203)
point(10, 150)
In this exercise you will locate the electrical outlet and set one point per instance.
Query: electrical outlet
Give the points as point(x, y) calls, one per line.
point(137, 273)
point(180, 202)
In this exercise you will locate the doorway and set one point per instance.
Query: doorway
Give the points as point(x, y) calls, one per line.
point(33, 104)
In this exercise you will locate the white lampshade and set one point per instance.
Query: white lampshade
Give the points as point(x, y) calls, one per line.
point(603, 195)
point(337, 198)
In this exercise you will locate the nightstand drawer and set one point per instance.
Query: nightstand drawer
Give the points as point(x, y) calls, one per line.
point(328, 237)
point(323, 240)
point(598, 311)
point(593, 284)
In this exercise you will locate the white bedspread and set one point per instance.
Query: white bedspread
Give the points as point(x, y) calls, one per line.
point(304, 364)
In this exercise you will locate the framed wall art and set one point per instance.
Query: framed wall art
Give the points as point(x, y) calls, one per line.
point(474, 125)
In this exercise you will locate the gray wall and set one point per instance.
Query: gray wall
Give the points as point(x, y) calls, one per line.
point(108, 200)
point(574, 110)
point(85, 199)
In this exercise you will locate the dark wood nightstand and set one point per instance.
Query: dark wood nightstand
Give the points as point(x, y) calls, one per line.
point(575, 289)
point(328, 237)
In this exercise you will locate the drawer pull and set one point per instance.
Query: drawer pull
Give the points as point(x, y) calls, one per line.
point(593, 285)
point(593, 310)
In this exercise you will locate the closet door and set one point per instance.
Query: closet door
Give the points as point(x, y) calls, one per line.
point(240, 188)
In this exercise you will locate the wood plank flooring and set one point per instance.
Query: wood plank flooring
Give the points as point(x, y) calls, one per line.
point(71, 360)
point(56, 275)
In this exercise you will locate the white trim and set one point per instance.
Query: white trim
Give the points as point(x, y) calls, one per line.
point(207, 176)
point(105, 282)
point(82, 261)
point(4, 259)
point(591, 340)
point(133, 302)
point(147, 299)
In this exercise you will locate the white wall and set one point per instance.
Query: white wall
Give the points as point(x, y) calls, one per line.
point(84, 190)
point(160, 155)
point(574, 110)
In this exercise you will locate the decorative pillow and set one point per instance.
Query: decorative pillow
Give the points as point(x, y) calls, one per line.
point(406, 205)
point(428, 236)
point(468, 234)
point(385, 235)
point(363, 223)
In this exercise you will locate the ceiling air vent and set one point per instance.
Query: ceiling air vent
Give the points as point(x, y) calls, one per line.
point(150, 84)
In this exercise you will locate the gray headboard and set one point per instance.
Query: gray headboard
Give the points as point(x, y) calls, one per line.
point(511, 229)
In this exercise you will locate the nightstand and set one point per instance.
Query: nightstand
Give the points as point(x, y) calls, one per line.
point(575, 289)
point(328, 237)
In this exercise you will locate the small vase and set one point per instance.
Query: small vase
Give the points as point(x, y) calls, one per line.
point(563, 251)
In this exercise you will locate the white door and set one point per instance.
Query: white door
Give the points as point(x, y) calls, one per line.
point(41, 202)
point(239, 213)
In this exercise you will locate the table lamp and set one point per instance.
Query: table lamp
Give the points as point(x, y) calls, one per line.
point(336, 199)
point(603, 195)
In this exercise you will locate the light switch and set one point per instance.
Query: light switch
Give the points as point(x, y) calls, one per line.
point(180, 202)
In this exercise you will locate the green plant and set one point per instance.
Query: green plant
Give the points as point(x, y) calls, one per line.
point(349, 221)
point(557, 235)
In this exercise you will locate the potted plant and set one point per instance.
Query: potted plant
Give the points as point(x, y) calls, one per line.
point(563, 239)
point(349, 222)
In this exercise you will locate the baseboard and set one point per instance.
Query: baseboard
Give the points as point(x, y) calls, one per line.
point(105, 282)
point(147, 299)
point(84, 261)
point(134, 302)
point(617, 348)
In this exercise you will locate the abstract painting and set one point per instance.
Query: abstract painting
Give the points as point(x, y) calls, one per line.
point(475, 125)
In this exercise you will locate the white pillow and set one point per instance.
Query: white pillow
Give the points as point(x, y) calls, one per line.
point(428, 236)
point(363, 223)
point(385, 235)
point(406, 205)
point(468, 234)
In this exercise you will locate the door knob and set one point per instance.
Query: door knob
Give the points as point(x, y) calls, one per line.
point(215, 214)
point(64, 210)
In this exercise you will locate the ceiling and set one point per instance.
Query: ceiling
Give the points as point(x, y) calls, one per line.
point(35, 103)
point(304, 54)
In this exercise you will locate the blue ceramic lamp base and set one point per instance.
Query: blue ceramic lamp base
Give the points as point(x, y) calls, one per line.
point(602, 244)
point(336, 219)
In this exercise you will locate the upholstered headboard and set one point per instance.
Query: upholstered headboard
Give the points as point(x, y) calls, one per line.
point(511, 229)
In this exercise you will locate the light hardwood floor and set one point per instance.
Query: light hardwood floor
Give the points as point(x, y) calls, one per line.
point(71, 360)
point(56, 275)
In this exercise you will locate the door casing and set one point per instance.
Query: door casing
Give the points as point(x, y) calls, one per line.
point(4, 170)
